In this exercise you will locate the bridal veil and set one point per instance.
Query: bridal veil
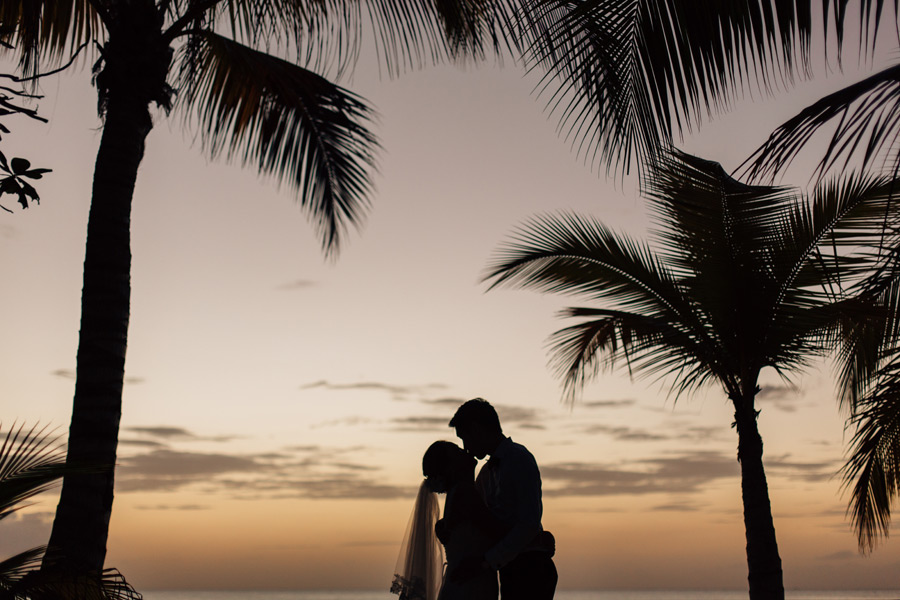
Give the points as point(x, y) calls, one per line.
point(420, 565)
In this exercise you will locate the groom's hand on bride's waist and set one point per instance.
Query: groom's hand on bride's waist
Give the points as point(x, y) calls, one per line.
point(469, 567)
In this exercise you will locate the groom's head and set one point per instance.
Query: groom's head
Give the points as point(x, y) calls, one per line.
point(478, 426)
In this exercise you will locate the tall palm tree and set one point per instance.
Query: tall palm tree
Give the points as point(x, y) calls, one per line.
point(209, 60)
point(861, 123)
point(736, 283)
point(631, 75)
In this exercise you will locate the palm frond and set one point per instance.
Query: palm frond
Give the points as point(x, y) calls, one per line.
point(14, 568)
point(50, 30)
point(866, 119)
point(410, 34)
point(31, 461)
point(648, 344)
point(859, 347)
point(870, 13)
point(578, 256)
point(736, 251)
point(407, 34)
point(743, 279)
point(845, 229)
point(48, 582)
point(705, 219)
point(289, 123)
point(571, 254)
point(873, 469)
point(626, 76)
point(817, 237)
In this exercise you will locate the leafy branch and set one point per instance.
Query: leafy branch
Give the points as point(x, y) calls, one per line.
point(17, 171)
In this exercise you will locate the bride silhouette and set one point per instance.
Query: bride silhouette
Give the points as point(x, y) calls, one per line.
point(467, 530)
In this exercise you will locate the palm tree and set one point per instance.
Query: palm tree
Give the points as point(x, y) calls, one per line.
point(31, 461)
point(736, 284)
point(208, 60)
point(862, 125)
point(631, 75)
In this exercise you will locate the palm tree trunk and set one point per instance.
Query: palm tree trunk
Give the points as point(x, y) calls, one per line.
point(764, 563)
point(78, 539)
point(135, 64)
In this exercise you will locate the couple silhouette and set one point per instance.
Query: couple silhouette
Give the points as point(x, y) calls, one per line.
point(491, 524)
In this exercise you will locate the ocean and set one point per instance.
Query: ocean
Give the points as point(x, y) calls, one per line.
point(560, 595)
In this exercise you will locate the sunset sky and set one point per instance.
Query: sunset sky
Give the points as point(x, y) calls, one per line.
point(277, 405)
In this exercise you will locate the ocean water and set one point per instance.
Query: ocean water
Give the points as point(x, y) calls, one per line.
point(560, 595)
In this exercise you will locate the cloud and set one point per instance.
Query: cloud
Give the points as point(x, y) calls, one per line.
point(536, 426)
point(804, 471)
point(353, 466)
point(518, 416)
point(678, 507)
point(609, 403)
point(371, 543)
point(297, 284)
point(142, 443)
point(776, 392)
point(307, 448)
point(162, 432)
point(446, 401)
point(419, 423)
point(526, 418)
point(175, 507)
point(398, 392)
point(782, 397)
point(701, 434)
point(322, 473)
point(22, 531)
point(344, 422)
point(348, 487)
point(171, 463)
point(178, 433)
point(70, 374)
point(685, 473)
point(842, 555)
point(623, 434)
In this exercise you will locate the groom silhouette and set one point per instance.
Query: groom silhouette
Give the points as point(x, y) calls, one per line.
point(510, 484)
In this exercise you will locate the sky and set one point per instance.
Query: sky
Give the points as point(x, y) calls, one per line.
point(277, 404)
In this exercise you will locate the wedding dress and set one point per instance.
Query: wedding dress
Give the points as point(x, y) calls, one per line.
point(420, 573)
point(465, 537)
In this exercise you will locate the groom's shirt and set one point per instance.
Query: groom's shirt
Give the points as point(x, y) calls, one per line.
point(510, 484)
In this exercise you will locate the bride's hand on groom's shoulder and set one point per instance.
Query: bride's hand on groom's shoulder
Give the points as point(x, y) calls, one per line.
point(469, 567)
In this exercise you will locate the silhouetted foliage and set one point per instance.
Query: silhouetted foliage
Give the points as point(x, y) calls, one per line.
point(214, 62)
point(739, 279)
point(31, 462)
point(626, 77)
point(17, 171)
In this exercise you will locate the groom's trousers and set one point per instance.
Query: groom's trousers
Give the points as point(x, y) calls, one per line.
point(529, 576)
